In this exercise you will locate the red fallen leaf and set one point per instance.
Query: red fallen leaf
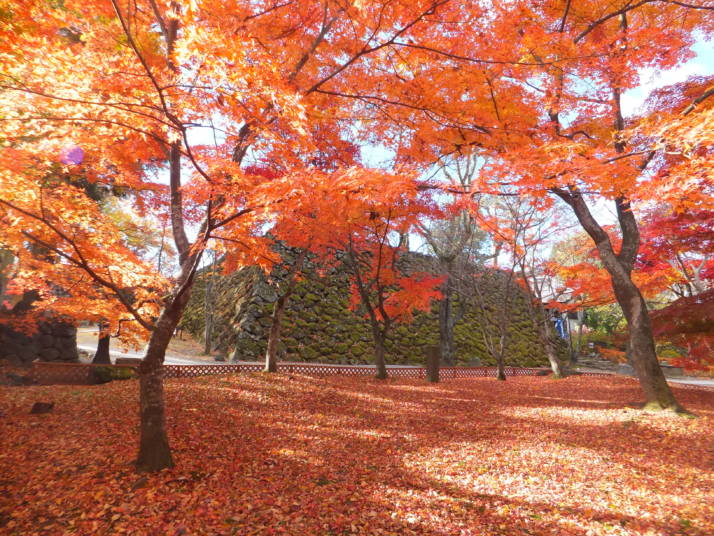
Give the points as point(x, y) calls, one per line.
point(463, 457)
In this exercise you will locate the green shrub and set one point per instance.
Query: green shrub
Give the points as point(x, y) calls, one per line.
point(106, 374)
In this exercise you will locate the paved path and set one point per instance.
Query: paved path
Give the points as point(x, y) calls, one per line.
point(687, 380)
point(702, 382)
point(169, 359)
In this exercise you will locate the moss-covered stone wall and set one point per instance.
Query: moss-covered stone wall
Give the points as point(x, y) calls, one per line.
point(318, 325)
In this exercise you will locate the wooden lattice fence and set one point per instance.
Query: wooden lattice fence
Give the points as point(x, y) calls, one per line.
point(79, 373)
point(45, 373)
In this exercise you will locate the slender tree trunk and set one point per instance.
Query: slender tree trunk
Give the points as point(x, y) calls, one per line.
point(101, 356)
point(379, 359)
point(154, 451)
point(208, 306)
point(446, 324)
point(579, 345)
point(553, 358)
point(541, 323)
point(500, 364)
point(571, 345)
point(271, 353)
point(208, 317)
point(208, 335)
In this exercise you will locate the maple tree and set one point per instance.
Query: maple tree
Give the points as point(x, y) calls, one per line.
point(674, 260)
point(386, 289)
point(680, 244)
point(357, 221)
point(674, 256)
point(539, 86)
point(526, 231)
point(689, 322)
point(130, 86)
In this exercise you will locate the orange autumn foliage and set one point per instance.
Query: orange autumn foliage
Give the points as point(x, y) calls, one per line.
point(300, 85)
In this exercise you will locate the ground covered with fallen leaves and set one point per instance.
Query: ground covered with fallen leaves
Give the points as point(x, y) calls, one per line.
point(277, 454)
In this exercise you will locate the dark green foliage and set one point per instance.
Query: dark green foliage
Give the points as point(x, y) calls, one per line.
point(107, 374)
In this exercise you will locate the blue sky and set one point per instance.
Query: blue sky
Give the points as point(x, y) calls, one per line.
point(702, 65)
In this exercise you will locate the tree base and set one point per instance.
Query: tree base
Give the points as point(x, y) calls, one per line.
point(381, 376)
point(674, 410)
point(154, 458)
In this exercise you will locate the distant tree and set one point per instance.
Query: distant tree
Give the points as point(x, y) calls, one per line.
point(453, 237)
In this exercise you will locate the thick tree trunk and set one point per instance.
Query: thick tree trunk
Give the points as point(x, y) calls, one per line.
point(101, 356)
point(433, 360)
point(154, 450)
point(379, 359)
point(446, 325)
point(619, 266)
point(658, 394)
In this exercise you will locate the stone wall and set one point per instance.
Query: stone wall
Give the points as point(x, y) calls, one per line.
point(318, 325)
point(53, 341)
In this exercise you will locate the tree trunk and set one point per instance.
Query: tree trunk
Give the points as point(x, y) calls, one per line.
point(500, 362)
point(550, 351)
point(101, 356)
point(271, 354)
point(379, 353)
point(619, 266)
point(433, 359)
point(555, 364)
point(208, 334)
point(446, 325)
point(579, 344)
point(500, 369)
point(553, 358)
point(154, 450)
point(208, 310)
point(658, 394)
